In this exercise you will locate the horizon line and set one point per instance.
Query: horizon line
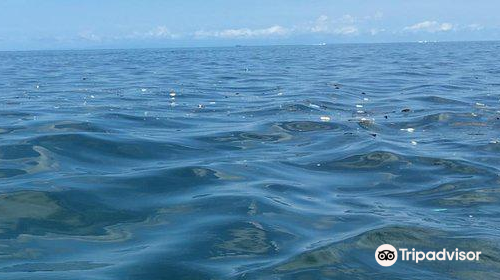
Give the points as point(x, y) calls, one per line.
point(322, 44)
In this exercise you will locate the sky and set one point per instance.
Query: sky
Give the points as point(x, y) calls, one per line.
point(90, 24)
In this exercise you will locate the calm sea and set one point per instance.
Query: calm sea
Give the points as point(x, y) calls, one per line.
point(287, 162)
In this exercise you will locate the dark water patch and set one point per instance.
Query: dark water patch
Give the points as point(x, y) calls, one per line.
point(10, 129)
point(385, 161)
point(95, 148)
point(128, 121)
point(12, 114)
point(465, 193)
point(307, 126)
point(282, 188)
point(65, 213)
point(471, 198)
point(17, 151)
point(248, 239)
point(242, 136)
point(442, 120)
point(53, 267)
point(163, 180)
point(375, 160)
point(79, 127)
point(161, 268)
point(7, 173)
point(129, 117)
point(440, 100)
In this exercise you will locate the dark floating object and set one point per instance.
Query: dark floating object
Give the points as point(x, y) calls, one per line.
point(406, 110)
point(386, 117)
point(373, 134)
point(363, 93)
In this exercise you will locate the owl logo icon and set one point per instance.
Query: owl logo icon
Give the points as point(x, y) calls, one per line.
point(386, 255)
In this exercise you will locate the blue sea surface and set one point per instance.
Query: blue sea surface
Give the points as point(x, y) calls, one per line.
point(284, 162)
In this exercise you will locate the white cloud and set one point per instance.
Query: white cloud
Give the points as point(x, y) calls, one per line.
point(160, 32)
point(430, 26)
point(324, 25)
point(89, 36)
point(375, 31)
point(346, 30)
point(378, 15)
point(321, 24)
point(347, 19)
point(475, 27)
point(275, 30)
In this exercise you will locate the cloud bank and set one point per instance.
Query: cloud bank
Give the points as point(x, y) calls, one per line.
point(430, 26)
point(275, 30)
point(346, 27)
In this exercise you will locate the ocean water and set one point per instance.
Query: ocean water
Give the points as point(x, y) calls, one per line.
point(286, 162)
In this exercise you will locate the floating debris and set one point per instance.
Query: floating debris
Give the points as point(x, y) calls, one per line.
point(359, 106)
point(325, 118)
point(144, 89)
point(173, 94)
point(365, 122)
point(406, 110)
point(201, 106)
point(408, 129)
point(414, 143)
point(480, 104)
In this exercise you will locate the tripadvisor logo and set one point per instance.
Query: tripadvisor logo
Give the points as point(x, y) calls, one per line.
point(387, 255)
